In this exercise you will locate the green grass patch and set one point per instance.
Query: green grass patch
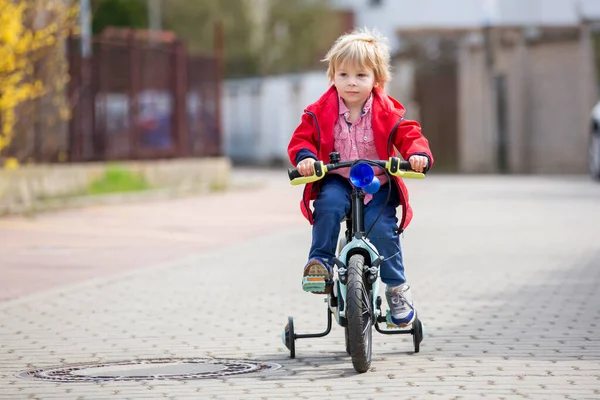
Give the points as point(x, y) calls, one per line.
point(118, 179)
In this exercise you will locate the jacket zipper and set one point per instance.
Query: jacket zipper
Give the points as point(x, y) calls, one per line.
point(304, 197)
point(402, 200)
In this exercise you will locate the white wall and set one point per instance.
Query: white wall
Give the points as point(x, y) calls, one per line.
point(402, 14)
point(260, 114)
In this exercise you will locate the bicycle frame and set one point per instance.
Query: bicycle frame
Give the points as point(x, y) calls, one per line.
point(357, 243)
point(354, 242)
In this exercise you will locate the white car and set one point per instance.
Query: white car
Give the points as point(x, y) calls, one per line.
point(594, 146)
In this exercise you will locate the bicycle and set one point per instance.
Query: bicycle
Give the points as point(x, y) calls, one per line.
point(354, 296)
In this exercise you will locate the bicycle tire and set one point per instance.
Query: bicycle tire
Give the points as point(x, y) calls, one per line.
point(347, 341)
point(359, 314)
point(417, 334)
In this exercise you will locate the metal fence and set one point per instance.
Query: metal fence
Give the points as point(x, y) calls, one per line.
point(140, 99)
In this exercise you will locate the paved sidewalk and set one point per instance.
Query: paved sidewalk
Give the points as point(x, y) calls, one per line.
point(505, 271)
point(54, 249)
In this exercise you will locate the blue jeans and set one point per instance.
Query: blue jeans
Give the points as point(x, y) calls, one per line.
point(330, 207)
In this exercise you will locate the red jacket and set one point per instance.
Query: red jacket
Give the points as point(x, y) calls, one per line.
point(390, 130)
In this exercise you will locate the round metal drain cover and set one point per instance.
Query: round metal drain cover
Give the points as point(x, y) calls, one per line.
point(150, 369)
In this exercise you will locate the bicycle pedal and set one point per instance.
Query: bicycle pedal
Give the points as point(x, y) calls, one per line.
point(314, 283)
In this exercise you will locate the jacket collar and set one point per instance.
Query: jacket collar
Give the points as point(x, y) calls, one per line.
point(329, 102)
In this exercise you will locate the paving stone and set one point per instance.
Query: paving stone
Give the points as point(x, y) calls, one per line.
point(505, 272)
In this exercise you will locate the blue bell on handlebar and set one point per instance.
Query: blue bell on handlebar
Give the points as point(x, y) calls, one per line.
point(373, 187)
point(362, 176)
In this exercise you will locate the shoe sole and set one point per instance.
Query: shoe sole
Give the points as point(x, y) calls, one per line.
point(315, 279)
point(390, 323)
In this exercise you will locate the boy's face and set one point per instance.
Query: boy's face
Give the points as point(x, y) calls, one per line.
point(354, 84)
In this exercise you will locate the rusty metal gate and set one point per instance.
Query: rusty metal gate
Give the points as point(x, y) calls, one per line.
point(141, 99)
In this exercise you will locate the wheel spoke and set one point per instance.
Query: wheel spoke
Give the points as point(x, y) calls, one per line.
point(365, 301)
point(367, 327)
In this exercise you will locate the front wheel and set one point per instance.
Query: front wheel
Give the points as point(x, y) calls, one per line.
point(360, 315)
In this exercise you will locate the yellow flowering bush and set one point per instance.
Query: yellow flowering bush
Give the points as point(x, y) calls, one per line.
point(29, 31)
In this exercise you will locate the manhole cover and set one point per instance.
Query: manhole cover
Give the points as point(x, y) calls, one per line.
point(151, 369)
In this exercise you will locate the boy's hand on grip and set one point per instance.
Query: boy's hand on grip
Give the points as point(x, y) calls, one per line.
point(418, 163)
point(305, 167)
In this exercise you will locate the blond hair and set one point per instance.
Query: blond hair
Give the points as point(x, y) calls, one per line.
point(364, 49)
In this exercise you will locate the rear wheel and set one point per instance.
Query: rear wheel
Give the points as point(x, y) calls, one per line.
point(360, 315)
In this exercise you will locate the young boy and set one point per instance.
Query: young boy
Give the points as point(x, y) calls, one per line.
point(357, 119)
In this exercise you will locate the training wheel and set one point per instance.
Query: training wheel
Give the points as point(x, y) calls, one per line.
point(417, 334)
point(289, 338)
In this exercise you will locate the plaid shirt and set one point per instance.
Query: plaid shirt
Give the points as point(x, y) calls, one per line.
point(355, 140)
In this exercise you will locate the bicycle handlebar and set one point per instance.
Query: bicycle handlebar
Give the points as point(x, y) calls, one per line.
point(393, 165)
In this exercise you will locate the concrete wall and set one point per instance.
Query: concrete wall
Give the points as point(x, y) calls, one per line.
point(402, 86)
point(558, 131)
point(550, 92)
point(36, 187)
point(260, 114)
point(476, 146)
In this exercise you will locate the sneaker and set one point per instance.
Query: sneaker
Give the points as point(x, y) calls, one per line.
point(316, 277)
point(401, 305)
